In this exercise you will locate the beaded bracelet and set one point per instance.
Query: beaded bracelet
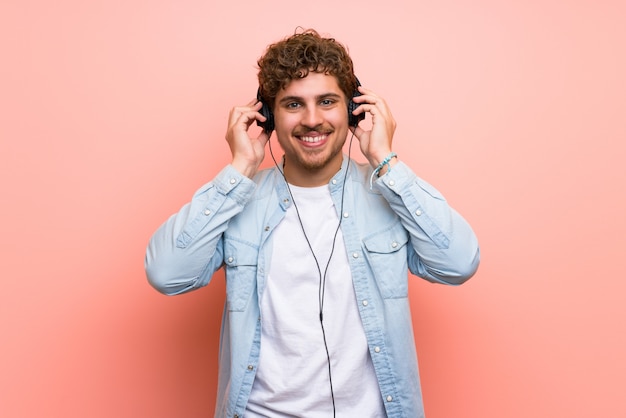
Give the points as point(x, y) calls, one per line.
point(383, 163)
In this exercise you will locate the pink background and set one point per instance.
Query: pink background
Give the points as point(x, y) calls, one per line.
point(112, 113)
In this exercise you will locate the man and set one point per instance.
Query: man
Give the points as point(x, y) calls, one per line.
point(316, 250)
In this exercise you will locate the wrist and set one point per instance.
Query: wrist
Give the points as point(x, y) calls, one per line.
point(384, 166)
point(245, 167)
point(384, 163)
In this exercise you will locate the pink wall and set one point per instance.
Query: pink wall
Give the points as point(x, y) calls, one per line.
point(113, 113)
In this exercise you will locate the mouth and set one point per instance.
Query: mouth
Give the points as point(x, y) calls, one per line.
point(313, 137)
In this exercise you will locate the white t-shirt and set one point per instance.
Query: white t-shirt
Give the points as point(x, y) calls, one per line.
point(292, 379)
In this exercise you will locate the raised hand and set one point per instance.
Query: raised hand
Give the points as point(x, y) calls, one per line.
point(376, 143)
point(247, 153)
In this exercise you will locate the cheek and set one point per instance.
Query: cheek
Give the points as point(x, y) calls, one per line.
point(285, 121)
point(339, 115)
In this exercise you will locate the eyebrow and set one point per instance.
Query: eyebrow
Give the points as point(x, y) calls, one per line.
point(287, 99)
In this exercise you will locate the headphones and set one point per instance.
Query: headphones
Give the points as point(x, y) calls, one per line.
point(268, 125)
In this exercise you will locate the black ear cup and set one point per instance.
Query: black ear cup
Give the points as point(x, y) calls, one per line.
point(353, 120)
point(268, 125)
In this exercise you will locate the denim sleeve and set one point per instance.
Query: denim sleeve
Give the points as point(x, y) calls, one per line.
point(187, 249)
point(445, 248)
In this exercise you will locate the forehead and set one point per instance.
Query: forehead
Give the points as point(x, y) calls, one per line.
point(314, 84)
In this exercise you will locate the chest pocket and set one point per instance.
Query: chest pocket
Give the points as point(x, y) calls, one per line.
point(386, 252)
point(240, 260)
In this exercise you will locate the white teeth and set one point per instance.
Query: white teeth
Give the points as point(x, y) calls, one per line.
point(312, 138)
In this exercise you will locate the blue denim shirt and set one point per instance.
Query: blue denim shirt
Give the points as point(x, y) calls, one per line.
point(401, 224)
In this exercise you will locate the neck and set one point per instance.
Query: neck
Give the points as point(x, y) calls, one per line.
point(310, 177)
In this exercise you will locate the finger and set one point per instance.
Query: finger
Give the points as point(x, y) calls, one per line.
point(366, 95)
point(372, 109)
point(357, 131)
point(245, 115)
point(254, 105)
point(378, 107)
point(263, 137)
point(372, 104)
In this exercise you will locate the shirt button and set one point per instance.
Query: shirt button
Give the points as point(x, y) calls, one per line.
point(394, 245)
point(250, 367)
point(334, 181)
point(389, 398)
point(345, 214)
point(285, 201)
point(365, 302)
point(207, 212)
point(392, 183)
point(233, 181)
point(230, 259)
point(355, 255)
point(377, 349)
point(418, 212)
point(267, 228)
point(236, 416)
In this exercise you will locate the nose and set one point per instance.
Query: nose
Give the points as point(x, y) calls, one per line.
point(312, 117)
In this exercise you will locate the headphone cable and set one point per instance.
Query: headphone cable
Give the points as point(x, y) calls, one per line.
point(322, 278)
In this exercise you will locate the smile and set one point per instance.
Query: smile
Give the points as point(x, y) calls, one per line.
point(313, 136)
point(313, 139)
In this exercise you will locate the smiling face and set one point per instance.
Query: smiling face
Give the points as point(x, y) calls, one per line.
point(311, 120)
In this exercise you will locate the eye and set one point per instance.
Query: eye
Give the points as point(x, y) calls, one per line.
point(293, 105)
point(327, 102)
